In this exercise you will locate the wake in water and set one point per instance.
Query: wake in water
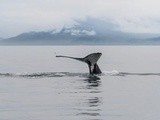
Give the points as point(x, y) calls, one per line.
point(44, 74)
point(116, 73)
point(67, 74)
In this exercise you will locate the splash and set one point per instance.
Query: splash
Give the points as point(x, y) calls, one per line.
point(111, 73)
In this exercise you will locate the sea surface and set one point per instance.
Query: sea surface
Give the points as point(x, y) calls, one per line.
point(35, 85)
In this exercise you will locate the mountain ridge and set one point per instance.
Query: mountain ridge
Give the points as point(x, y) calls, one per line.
point(89, 32)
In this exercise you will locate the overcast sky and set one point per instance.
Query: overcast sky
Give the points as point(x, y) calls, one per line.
point(18, 16)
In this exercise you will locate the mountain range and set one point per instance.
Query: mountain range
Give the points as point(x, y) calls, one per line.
point(89, 32)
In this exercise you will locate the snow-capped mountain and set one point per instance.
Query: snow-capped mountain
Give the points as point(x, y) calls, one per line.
point(89, 32)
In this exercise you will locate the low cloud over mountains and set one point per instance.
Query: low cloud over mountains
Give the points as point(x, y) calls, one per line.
point(89, 32)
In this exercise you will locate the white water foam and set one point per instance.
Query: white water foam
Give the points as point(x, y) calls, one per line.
point(111, 73)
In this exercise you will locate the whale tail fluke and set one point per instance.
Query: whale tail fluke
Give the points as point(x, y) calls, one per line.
point(91, 60)
point(80, 59)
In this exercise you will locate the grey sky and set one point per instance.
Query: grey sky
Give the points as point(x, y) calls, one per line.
point(18, 16)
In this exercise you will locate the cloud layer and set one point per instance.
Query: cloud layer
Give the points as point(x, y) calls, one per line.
point(138, 16)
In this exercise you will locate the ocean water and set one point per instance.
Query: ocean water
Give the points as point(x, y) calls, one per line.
point(35, 85)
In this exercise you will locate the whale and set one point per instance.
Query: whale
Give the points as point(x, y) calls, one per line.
point(91, 61)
